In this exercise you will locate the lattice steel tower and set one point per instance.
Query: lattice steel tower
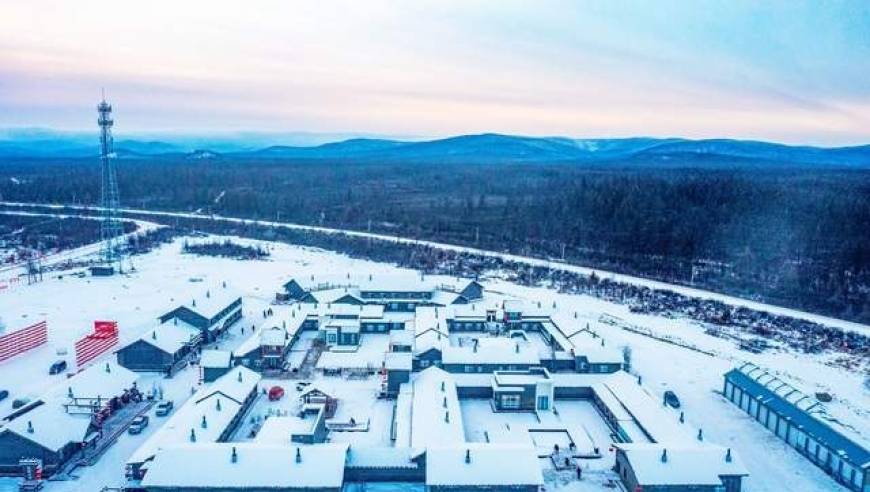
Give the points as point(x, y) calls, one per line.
point(111, 229)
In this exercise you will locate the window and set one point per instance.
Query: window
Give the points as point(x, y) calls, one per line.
point(469, 368)
point(602, 368)
point(510, 401)
point(424, 363)
point(543, 402)
point(331, 337)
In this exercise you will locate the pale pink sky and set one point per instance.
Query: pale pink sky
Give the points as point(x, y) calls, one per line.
point(790, 71)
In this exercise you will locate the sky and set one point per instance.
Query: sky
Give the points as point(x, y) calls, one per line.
point(788, 71)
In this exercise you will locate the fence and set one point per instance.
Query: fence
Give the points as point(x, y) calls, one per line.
point(104, 337)
point(21, 341)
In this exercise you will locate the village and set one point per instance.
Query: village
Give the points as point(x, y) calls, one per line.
point(314, 371)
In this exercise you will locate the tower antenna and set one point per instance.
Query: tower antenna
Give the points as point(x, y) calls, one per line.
point(111, 230)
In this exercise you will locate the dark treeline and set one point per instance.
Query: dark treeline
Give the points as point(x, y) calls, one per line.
point(796, 237)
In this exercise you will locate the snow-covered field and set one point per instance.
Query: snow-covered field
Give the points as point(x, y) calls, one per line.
point(166, 278)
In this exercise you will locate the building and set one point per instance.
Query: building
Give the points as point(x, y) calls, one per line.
point(796, 418)
point(212, 313)
point(483, 467)
point(531, 390)
point(268, 347)
point(211, 415)
point(396, 293)
point(162, 349)
point(58, 425)
point(593, 355)
point(488, 355)
point(232, 467)
point(693, 468)
point(214, 364)
point(397, 371)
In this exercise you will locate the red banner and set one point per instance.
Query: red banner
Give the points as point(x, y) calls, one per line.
point(104, 337)
point(18, 342)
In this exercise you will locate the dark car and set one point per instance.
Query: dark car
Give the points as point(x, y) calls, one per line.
point(3, 395)
point(671, 399)
point(163, 408)
point(138, 425)
point(20, 402)
point(58, 367)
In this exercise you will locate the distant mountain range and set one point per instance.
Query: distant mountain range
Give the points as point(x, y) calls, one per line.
point(471, 149)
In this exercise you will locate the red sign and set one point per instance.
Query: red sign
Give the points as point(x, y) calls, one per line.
point(104, 337)
point(21, 341)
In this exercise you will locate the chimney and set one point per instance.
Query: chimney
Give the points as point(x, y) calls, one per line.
point(175, 321)
point(207, 294)
point(154, 335)
point(639, 380)
point(444, 403)
point(442, 386)
point(218, 406)
point(664, 455)
point(204, 423)
point(240, 376)
point(728, 457)
point(69, 392)
point(193, 303)
point(298, 456)
point(517, 349)
point(234, 457)
point(447, 416)
point(224, 284)
point(700, 434)
point(29, 427)
point(575, 314)
point(192, 435)
point(468, 456)
point(682, 417)
point(602, 342)
point(108, 368)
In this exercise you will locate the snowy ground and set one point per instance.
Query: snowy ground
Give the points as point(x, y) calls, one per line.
point(163, 280)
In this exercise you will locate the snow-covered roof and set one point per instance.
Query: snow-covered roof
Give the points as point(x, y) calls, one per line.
point(483, 464)
point(215, 358)
point(436, 418)
point(236, 384)
point(398, 361)
point(703, 464)
point(362, 311)
point(210, 302)
point(492, 351)
point(102, 380)
point(274, 337)
point(647, 411)
point(188, 417)
point(171, 336)
point(474, 310)
point(595, 349)
point(330, 296)
point(53, 428)
point(402, 337)
point(257, 466)
point(345, 325)
point(277, 430)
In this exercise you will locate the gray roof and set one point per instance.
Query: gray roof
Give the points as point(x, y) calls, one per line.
point(811, 425)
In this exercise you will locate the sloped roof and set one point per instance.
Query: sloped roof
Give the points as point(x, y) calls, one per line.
point(171, 336)
point(215, 358)
point(701, 464)
point(258, 466)
point(53, 428)
point(487, 464)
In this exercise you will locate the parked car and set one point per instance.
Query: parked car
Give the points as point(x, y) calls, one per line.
point(163, 408)
point(671, 399)
point(301, 385)
point(138, 425)
point(20, 402)
point(275, 393)
point(4, 394)
point(58, 367)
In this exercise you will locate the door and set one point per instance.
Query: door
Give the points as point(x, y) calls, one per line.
point(543, 402)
